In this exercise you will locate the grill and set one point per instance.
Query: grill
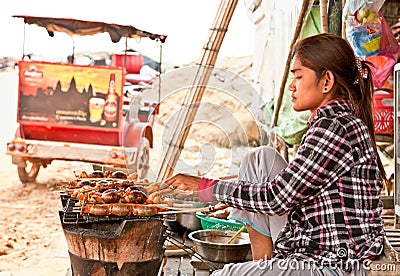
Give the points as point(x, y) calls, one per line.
point(70, 215)
point(112, 245)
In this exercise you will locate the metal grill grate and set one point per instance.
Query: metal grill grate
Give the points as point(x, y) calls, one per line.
point(70, 216)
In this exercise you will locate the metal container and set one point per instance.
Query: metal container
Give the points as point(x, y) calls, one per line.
point(185, 222)
point(189, 220)
point(212, 245)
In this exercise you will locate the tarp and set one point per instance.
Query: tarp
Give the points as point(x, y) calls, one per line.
point(292, 124)
point(72, 27)
point(276, 22)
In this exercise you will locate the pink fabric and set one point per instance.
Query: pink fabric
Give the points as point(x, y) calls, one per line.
point(206, 187)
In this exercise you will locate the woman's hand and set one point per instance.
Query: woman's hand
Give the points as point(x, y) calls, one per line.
point(184, 182)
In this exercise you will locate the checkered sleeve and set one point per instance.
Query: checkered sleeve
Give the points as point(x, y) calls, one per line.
point(324, 155)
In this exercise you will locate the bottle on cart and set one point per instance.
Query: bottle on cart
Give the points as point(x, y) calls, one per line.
point(111, 104)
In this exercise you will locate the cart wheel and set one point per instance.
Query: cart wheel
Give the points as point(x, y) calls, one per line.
point(29, 172)
point(143, 161)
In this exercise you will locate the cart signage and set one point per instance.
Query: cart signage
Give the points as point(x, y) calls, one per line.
point(65, 94)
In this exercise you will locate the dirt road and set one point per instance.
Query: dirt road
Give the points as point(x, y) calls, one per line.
point(31, 239)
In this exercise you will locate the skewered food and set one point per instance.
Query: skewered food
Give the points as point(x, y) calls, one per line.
point(221, 214)
point(110, 194)
point(133, 194)
point(114, 193)
point(96, 174)
point(122, 209)
point(119, 174)
point(95, 197)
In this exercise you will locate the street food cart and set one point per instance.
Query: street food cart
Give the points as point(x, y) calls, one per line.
point(85, 113)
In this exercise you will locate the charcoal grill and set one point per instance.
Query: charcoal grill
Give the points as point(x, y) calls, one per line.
point(112, 245)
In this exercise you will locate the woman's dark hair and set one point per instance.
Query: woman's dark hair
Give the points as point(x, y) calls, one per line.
point(353, 76)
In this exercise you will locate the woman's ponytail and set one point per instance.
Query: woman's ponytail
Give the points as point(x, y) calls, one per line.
point(362, 101)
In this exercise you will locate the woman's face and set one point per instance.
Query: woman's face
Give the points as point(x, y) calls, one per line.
point(307, 91)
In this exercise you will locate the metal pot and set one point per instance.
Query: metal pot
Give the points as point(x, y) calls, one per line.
point(185, 221)
point(189, 221)
point(212, 245)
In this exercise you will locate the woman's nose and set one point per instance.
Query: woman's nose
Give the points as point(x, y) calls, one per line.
point(291, 87)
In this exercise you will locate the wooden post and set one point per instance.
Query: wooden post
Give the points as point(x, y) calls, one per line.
point(343, 22)
point(323, 7)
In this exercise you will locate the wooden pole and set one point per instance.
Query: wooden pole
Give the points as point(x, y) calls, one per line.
point(343, 22)
point(193, 97)
point(323, 7)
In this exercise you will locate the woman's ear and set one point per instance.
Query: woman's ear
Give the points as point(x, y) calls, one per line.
point(329, 79)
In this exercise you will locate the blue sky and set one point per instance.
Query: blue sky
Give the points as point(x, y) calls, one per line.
point(185, 22)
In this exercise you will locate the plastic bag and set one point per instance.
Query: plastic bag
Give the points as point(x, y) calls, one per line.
point(364, 38)
point(360, 8)
point(363, 26)
point(387, 56)
point(388, 43)
point(371, 37)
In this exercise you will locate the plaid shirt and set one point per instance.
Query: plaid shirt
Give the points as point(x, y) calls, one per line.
point(331, 192)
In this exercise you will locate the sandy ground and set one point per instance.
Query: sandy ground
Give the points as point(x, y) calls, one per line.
point(31, 236)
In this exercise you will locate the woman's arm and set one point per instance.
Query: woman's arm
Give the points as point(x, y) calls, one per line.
point(324, 155)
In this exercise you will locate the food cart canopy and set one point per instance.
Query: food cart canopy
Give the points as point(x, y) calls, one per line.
point(80, 27)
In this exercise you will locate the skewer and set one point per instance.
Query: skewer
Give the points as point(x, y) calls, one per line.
point(78, 207)
point(112, 182)
point(195, 210)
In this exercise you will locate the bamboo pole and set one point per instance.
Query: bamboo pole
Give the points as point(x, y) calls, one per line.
point(305, 9)
point(192, 99)
point(343, 22)
point(323, 7)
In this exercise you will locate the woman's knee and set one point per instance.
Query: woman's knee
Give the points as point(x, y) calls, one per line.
point(261, 164)
point(268, 152)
